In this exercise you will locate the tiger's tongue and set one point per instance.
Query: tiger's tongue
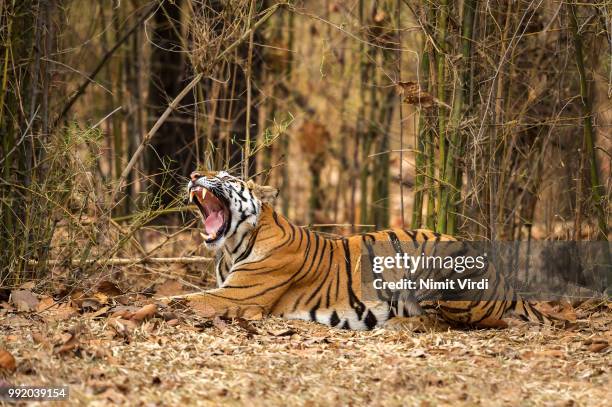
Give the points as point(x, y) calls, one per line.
point(213, 222)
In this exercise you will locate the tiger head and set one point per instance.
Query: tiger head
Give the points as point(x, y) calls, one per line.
point(229, 206)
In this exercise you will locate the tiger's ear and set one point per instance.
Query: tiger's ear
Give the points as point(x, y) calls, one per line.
point(264, 193)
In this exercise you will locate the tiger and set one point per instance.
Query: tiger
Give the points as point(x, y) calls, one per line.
point(267, 264)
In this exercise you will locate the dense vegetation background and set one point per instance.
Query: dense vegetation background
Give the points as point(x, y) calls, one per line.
point(486, 119)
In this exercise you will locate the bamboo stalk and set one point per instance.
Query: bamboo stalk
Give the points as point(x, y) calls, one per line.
point(450, 195)
point(430, 217)
point(401, 112)
point(10, 220)
point(6, 139)
point(421, 144)
point(441, 93)
point(285, 140)
point(249, 69)
point(597, 193)
point(362, 133)
point(117, 120)
point(499, 144)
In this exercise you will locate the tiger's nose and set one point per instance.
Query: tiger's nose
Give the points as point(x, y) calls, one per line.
point(195, 175)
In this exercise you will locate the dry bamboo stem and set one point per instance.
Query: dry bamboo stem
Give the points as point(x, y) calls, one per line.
point(249, 70)
point(596, 187)
point(421, 143)
point(125, 261)
point(447, 204)
point(441, 92)
point(401, 113)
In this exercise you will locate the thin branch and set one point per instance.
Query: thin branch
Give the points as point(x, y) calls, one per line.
point(127, 261)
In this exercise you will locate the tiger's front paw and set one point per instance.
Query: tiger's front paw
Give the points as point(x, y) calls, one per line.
point(250, 312)
point(419, 323)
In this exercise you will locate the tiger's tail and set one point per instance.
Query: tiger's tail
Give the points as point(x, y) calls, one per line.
point(526, 311)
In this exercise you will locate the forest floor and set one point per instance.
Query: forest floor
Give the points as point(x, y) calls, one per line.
point(140, 351)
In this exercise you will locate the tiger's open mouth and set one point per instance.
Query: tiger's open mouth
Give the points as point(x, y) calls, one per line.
point(215, 213)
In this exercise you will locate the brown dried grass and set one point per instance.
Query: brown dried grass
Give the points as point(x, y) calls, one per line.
point(276, 362)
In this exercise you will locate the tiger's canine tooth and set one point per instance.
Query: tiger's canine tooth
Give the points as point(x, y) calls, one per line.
point(208, 237)
point(191, 194)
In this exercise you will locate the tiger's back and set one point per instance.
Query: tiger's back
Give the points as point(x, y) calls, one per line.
point(305, 275)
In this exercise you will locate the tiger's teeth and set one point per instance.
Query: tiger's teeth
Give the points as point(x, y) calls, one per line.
point(204, 191)
point(208, 237)
point(191, 195)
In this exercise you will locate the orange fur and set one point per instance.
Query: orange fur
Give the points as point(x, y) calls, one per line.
point(293, 272)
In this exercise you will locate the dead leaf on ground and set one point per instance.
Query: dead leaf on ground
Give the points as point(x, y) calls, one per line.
point(39, 338)
point(169, 288)
point(146, 312)
point(112, 395)
point(122, 327)
point(108, 288)
point(168, 316)
point(283, 332)
point(124, 311)
point(101, 298)
point(101, 312)
point(7, 361)
point(553, 353)
point(15, 321)
point(45, 304)
point(598, 347)
point(244, 324)
point(597, 344)
point(24, 300)
point(219, 323)
point(417, 353)
point(69, 345)
point(564, 311)
point(595, 339)
point(62, 312)
point(417, 323)
point(77, 298)
point(90, 304)
point(98, 348)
